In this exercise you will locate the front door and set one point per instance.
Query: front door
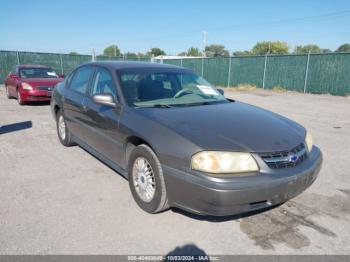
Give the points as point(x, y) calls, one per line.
point(103, 120)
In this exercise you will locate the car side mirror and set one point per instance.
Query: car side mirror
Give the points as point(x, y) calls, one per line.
point(104, 99)
point(221, 91)
point(61, 76)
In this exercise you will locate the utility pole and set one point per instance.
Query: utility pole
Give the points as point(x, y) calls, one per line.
point(93, 55)
point(205, 39)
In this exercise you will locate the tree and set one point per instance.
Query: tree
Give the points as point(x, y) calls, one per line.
point(193, 51)
point(215, 51)
point(112, 50)
point(343, 48)
point(130, 54)
point(182, 53)
point(326, 50)
point(274, 47)
point(242, 53)
point(73, 53)
point(312, 48)
point(155, 51)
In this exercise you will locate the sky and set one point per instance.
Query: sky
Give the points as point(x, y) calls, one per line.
point(137, 25)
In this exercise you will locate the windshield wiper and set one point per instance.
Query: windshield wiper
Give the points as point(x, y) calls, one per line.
point(204, 103)
point(157, 106)
point(162, 105)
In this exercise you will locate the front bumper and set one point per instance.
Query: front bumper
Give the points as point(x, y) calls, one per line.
point(220, 196)
point(36, 95)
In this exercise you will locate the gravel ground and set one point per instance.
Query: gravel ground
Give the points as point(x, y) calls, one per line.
point(57, 200)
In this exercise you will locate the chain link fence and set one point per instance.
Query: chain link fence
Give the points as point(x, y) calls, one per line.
point(308, 73)
point(62, 63)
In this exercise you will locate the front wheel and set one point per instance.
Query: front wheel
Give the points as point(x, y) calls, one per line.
point(19, 98)
point(63, 133)
point(146, 180)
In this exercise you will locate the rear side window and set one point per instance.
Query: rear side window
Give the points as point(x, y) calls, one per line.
point(80, 79)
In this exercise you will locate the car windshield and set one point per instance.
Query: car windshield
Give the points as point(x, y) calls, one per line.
point(36, 72)
point(166, 89)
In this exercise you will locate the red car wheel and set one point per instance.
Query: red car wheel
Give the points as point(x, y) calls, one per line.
point(19, 98)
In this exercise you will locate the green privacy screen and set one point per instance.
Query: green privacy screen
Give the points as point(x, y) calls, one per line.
point(62, 63)
point(314, 73)
point(286, 71)
point(7, 61)
point(247, 70)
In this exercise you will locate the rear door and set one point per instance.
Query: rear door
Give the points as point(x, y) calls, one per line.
point(74, 101)
point(103, 120)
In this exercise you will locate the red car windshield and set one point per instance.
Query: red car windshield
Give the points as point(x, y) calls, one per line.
point(37, 73)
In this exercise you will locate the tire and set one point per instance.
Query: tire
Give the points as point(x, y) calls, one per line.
point(64, 135)
point(19, 98)
point(159, 201)
point(7, 92)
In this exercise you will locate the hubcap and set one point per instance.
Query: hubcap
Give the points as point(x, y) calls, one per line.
point(143, 178)
point(62, 128)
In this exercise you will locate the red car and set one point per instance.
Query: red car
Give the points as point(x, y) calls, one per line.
point(31, 83)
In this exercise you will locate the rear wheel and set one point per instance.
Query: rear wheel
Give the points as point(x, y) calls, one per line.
point(63, 133)
point(19, 98)
point(146, 180)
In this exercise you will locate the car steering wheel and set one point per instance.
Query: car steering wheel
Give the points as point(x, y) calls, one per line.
point(183, 92)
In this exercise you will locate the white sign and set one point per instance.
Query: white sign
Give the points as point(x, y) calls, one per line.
point(208, 90)
point(51, 74)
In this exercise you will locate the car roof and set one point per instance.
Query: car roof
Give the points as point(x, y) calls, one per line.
point(33, 66)
point(134, 65)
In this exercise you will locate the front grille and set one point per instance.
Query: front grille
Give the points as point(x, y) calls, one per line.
point(47, 88)
point(285, 159)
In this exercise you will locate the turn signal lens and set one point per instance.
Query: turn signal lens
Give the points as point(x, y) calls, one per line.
point(308, 141)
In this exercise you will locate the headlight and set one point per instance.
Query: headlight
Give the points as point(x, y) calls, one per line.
point(27, 86)
point(223, 162)
point(308, 141)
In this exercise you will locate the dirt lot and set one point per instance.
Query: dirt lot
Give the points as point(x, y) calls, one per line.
point(57, 200)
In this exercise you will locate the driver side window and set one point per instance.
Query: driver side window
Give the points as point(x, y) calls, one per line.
point(103, 83)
